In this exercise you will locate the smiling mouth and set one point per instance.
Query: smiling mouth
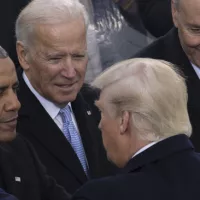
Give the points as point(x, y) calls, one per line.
point(66, 85)
point(10, 120)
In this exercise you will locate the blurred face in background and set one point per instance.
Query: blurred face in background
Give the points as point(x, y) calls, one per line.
point(56, 64)
point(186, 17)
point(9, 104)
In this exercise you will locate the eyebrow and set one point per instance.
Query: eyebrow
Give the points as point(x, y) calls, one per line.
point(4, 87)
point(55, 54)
point(64, 54)
point(194, 25)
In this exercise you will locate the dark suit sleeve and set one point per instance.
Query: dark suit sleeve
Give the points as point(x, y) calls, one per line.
point(6, 196)
point(49, 188)
point(93, 190)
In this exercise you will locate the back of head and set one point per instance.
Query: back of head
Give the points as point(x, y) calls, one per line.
point(47, 12)
point(153, 91)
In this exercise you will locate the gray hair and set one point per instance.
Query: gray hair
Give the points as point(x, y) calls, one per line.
point(153, 92)
point(47, 12)
point(3, 53)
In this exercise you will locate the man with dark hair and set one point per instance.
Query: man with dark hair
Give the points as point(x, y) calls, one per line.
point(21, 172)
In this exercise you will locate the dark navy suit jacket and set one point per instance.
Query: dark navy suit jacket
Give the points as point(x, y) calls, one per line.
point(169, 169)
point(6, 196)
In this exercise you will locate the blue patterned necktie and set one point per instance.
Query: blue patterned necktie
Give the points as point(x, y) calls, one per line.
point(73, 136)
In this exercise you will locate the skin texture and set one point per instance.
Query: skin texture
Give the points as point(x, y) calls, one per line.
point(119, 135)
point(56, 63)
point(9, 104)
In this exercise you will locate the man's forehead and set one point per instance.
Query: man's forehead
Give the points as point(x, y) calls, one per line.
point(5, 62)
point(191, 6)
point(53, 47)
point(58, 29)
point(7, 67)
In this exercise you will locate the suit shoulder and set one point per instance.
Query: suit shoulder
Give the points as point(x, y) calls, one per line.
point(20, 146)
point(154, 50)
point(160, 47)
point(115, 187)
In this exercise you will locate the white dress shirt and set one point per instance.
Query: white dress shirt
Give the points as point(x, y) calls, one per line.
point(146, 147)
point(50, 107)
point(196, 69)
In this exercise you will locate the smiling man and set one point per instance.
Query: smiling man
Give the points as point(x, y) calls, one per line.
point(57, 113)
point(181, 46)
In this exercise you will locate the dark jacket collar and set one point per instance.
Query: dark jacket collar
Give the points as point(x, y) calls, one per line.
point(30, 110)
point(159, 151)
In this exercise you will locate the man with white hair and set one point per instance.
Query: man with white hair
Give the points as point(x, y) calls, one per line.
point(57, 114)
point(145, 129)
point(181, 46)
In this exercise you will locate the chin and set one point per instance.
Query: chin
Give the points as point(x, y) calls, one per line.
point(7, 137)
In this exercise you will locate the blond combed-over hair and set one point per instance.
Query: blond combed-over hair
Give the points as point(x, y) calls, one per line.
point(153, 91)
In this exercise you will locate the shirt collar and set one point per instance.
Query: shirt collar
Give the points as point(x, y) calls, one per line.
point(50, 107)
point(196, 69)
point(146, 147)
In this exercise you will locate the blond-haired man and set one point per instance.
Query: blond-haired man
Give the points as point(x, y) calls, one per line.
point(145, 128)
point(181, 47)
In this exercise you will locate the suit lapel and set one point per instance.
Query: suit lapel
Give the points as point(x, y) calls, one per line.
point(8, 169)
point(159, 151)
point(47, 133)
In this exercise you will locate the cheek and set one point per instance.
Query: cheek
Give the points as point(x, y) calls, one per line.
point(81, 69)
point(48, 75)
point(109, 134)
point(2, 107)
point(190, 40)
point(2, 103)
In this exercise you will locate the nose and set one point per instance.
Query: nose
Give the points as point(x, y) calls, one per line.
point(12, 102)
point(69, 68)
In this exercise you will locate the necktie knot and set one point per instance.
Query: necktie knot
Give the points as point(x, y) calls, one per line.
point(65, 114)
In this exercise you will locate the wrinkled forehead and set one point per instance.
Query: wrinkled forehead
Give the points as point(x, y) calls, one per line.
point(62, 36)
